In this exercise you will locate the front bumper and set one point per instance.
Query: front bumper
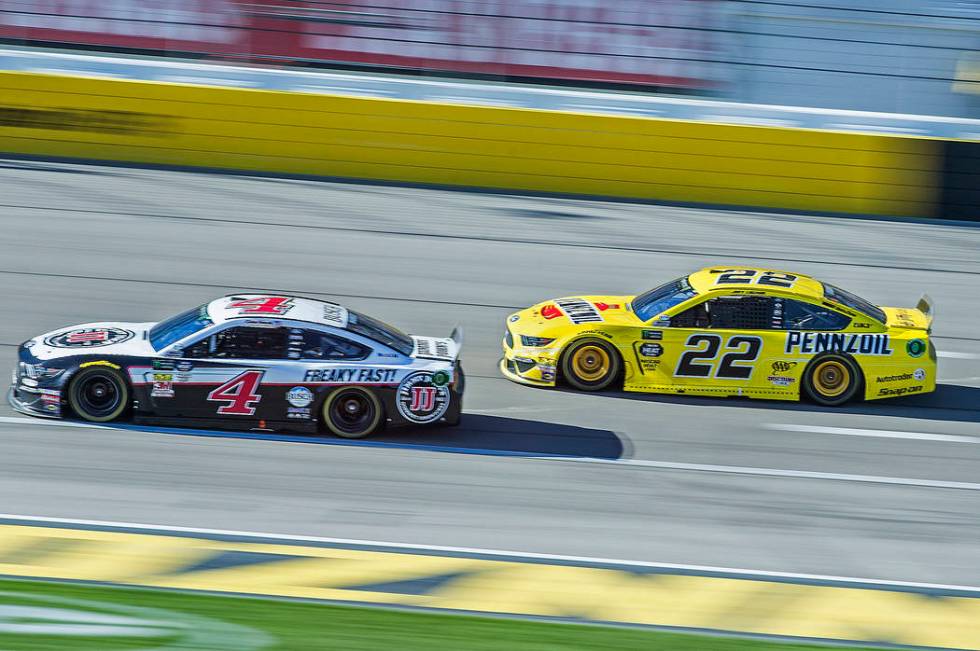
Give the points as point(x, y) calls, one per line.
point(34, 402)
point(521, 366)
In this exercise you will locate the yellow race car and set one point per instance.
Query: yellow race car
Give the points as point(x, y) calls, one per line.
point(727, 331)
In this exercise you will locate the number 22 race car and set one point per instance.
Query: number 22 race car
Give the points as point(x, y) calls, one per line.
point(245, 361)
point(723, 331)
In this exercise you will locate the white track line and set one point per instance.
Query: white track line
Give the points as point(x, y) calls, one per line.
point(951, 355)
point(639, 463)
point(516, 555)
point(874, 433)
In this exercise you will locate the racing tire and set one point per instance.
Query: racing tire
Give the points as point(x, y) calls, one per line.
point(352, 412)
point(591, 365)
point(832, 379)
point(98, 394)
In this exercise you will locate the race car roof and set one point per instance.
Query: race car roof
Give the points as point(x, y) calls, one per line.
point(277, 306)
point(755, 279)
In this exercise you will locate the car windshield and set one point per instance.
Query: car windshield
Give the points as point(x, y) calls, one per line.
point(838, 295)
point(654, 302)
point(380, 332)
point(176, 328)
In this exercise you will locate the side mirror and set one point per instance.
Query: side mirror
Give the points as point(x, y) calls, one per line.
point(662, 322)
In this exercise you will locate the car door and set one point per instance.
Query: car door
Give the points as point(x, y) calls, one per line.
point(225, 375)
point(720, 346)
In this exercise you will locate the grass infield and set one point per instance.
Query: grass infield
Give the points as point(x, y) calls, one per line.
point(48, 616)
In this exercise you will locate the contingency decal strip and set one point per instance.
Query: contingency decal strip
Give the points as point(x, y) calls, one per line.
point(533, 587)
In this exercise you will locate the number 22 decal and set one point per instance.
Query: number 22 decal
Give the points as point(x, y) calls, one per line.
point(746, 276)
point(240, 394)
point(745, 350)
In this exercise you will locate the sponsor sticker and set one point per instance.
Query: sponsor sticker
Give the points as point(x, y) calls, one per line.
point(514, 318)
point(163, 385)
point(809, 343)
point(783, 366)
point(915, 348)
point(299, 397)
point(89, 337)
point(351, 375)
point(655, 335)
point(184, 366)
point(651, 350)
point(901, 391)
point(420, 399)
point(298, 413)
point(919, 374)
point(781, 380)
point(649, 364)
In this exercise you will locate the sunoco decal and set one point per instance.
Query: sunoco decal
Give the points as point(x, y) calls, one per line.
point(421, 398)
point(89, 337)
point(854, 344)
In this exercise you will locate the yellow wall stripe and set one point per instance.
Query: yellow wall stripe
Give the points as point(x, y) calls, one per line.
point(496, 148)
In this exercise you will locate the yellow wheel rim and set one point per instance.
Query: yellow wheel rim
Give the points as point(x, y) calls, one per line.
point(831, 378)
point(591, 363)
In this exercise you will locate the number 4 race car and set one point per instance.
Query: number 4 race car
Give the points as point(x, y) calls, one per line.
point(727, 332)
point(245, 361)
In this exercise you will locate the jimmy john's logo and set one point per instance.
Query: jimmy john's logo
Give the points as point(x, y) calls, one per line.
point(809, 343)
point(423, 397)
point(89, 337)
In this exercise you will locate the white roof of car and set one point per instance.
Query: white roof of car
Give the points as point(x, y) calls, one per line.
point(277, 306)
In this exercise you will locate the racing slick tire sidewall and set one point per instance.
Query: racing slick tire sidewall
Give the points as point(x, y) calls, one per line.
point(615, 365)
point(371, 422)
point(90, 378)
point(832, 362)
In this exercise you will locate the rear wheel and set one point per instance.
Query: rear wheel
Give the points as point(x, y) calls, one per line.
point(352, 412)
point(591, 365)
point(831, 379)
point(98, 395)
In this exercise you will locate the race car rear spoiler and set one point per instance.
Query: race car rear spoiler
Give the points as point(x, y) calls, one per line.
point(927, 307)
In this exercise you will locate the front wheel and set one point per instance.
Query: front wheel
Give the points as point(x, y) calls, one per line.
point(98, 395)
point(352, 412)
point(591, 365)
point(831, 379)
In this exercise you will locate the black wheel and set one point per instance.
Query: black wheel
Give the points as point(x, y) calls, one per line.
point(591, 365)
point(460, 386)
point(352, 412)
point(98, 394)
point(831, 379)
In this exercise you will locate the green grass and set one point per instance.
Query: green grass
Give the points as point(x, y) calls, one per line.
point(293, 626)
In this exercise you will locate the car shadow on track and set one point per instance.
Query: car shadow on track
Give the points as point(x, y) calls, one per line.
point(950, 402)
point(478, 433)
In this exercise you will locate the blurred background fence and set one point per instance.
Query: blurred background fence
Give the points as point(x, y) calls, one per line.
point(907, 56)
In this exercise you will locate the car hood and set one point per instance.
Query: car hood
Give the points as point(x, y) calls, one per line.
point(97, 339)
point(583, 311)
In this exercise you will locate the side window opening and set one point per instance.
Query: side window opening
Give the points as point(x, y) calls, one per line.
point(730, 313)
point(797, 315)
point(250, 343)
point(319, 345)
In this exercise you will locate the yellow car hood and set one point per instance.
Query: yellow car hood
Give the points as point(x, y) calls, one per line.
point(583, 311)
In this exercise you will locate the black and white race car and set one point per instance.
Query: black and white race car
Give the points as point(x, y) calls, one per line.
point(245, 361)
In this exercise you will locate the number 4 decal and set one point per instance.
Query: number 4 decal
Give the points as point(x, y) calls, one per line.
point(240, 394)
point(730, 367)
point(262, 305)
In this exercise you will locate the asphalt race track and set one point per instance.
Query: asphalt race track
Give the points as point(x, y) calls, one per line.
point(887, 490)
